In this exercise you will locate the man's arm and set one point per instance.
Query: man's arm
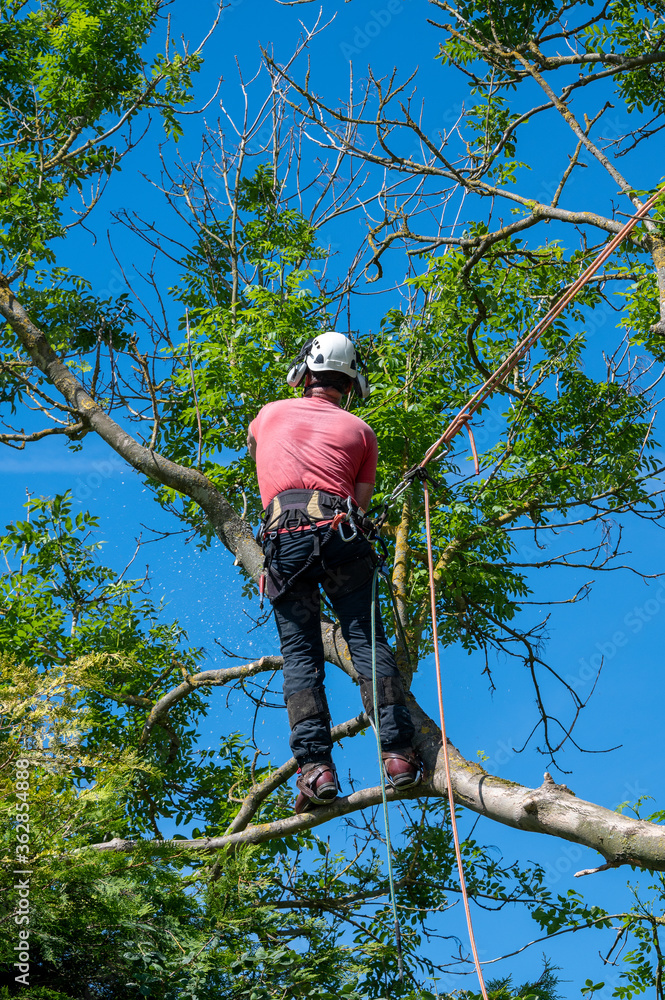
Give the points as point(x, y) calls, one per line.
point(363, 488)
point(364, 494)
point(251, 445)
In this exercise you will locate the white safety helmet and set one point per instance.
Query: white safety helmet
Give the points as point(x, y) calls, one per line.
point(331, 351)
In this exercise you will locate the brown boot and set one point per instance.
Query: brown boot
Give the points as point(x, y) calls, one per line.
point(402, 768)
point(317, 785)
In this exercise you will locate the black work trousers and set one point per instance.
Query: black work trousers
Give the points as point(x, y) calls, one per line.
point(345, 571)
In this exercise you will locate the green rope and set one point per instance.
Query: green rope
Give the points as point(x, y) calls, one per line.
point(376, 722)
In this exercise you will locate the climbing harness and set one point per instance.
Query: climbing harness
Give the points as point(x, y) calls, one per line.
point(313, 511)
point(419, 472)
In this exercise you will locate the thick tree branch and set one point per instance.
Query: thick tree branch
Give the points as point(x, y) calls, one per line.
point(231, 529)
point(550, 809)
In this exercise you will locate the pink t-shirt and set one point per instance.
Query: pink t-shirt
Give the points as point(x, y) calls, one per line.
point(311, 444)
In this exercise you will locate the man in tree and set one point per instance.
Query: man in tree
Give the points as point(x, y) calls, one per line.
point(316, 466)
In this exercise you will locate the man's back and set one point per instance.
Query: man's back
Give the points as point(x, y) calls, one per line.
point(311, 443)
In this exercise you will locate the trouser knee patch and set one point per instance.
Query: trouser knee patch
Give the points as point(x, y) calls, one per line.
point(367, 695)
point(390, 691)
point(307, 704)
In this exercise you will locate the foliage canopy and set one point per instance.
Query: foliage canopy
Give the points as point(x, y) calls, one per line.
point(105, 697)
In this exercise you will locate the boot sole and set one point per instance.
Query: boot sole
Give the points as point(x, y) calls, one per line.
point(400, 785)
point(325, 794)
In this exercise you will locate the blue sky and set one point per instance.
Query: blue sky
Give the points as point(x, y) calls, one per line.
point(624, 619)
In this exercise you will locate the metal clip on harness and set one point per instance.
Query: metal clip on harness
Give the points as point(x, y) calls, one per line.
point(418, 472)
point(351, 520)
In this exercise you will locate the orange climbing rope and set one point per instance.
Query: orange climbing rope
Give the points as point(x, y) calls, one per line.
point(525, 345)
point(461, 419)
point(446, 756)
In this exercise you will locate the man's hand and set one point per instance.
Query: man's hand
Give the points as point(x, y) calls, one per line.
point(251, 445)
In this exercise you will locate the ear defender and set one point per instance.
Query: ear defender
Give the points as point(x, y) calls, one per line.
point(298, 369)
point(362, 386)
point(296, 374)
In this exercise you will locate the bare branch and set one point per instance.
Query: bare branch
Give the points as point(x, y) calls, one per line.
point(207, 678)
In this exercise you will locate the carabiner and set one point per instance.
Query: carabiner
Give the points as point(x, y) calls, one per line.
point(354, 530)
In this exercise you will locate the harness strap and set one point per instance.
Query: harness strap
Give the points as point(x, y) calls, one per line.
point(304, 527)
point(301, 506)
point(318, 544)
